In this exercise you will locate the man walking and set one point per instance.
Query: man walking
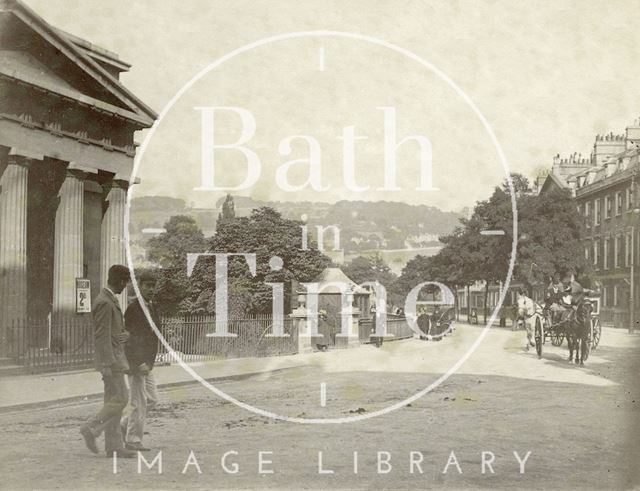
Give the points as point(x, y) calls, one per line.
point(141, 350)
point(111, 362)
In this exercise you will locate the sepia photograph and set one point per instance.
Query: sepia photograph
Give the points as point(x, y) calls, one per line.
point(319, 244)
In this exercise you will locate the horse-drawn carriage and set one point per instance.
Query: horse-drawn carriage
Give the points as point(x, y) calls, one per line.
point(580, 326)
point(435, 325)
point(556, 332)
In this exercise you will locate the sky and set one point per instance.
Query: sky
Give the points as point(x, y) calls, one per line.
point(546, 76)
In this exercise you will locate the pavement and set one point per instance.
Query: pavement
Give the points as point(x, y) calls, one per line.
point(32, 391)
point(581, 425)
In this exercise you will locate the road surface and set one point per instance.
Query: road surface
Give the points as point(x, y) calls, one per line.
point(535, 423)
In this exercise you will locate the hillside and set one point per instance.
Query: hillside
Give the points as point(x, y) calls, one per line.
point(363, 225)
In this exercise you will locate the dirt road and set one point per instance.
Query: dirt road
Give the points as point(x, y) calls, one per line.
point(580, 425)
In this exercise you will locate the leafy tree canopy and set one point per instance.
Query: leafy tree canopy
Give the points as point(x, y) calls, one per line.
point(182, 235)
point(362, 269)
point(549, 229)
point(266, 234)
point(169, 250)
point(549, 238)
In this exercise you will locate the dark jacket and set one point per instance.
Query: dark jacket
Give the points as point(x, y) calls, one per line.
point(555, 292)
point(577, 292)
point(142, 346)
point(108, 324)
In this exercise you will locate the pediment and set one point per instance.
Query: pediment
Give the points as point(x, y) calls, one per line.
point(27, 67)
point(34, 52)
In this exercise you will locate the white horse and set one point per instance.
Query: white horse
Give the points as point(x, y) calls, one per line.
point(528, 312)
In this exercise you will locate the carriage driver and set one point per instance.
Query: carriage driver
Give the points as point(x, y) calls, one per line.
point(563, 296)
point(573, 292)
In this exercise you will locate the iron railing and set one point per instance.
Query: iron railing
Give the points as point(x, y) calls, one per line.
point(187, 335)
point(48, 344)
point(45, 344)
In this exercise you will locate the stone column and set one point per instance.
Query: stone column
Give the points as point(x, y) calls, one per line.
point(13, 250)
point(113, 239)
point(352, 337)
point(68, 250)
point(301, 323)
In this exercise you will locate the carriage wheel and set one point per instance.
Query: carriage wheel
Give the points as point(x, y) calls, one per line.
point(556, 337)
point(596, 331)
point(539, 337)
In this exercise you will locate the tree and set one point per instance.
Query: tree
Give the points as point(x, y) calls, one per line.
point(417, 270)
point(361, 269)
point(521, 186)
point(450, 266)
point(266, 234)
point(469, 256)
point(169, 250)
point(228, 209)
point(181, 235)
point(549, 229)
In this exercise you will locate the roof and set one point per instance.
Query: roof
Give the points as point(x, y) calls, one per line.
point(97, 52)
point(79, 52)
point(616, 167)
point(624, 162)
point(551, 180)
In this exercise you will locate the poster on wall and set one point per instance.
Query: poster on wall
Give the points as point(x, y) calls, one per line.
point(83, 296)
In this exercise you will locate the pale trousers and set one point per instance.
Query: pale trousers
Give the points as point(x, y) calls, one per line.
point(143, 395)
point(108, 419)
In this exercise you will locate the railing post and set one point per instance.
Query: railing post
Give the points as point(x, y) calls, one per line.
point(19, 338)
point(4, 342)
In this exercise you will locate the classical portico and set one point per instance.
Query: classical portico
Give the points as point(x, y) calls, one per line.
point(66, 156)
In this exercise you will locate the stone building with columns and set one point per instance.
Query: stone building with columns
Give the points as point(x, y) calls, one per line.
point(66, 155)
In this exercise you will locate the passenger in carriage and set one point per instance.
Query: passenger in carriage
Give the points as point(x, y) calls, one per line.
point(555, 286)
point(553, 298)
point(572, 296)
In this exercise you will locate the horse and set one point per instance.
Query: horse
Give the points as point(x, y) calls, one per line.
point(577, 332)
point(528, 313)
